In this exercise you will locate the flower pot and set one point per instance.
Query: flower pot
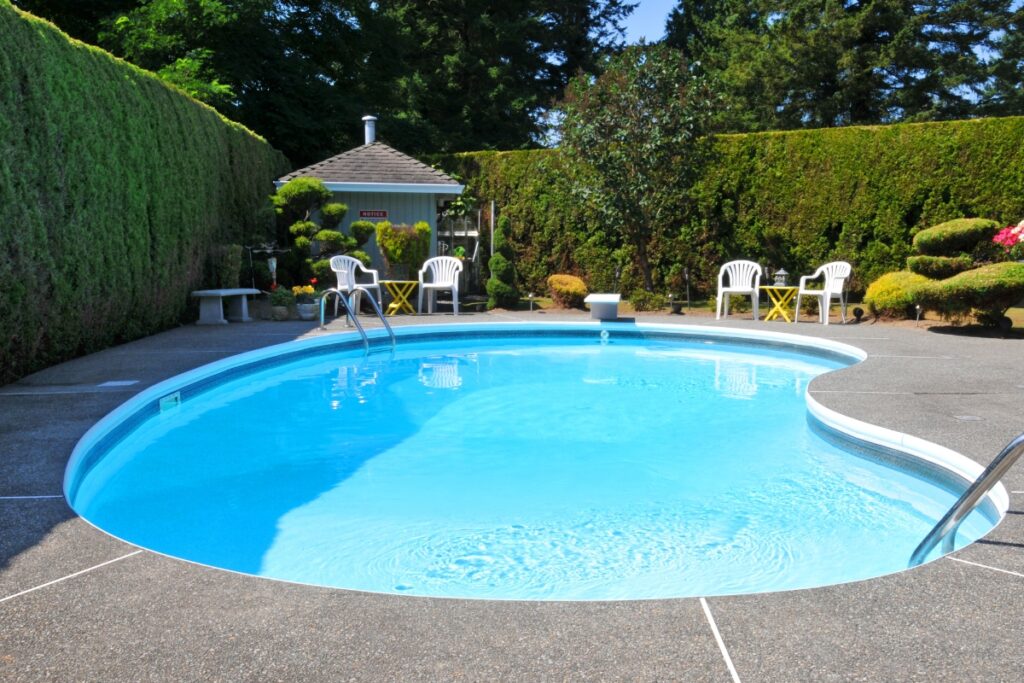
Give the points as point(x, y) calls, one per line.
point(280, 312)
point(677, 307)
point(307, 311)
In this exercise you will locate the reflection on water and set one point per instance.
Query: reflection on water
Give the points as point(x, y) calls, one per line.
point(735, 380)
point(442, 374)
point(353, 381)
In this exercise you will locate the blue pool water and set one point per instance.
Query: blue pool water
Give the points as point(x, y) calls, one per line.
point(522, 468)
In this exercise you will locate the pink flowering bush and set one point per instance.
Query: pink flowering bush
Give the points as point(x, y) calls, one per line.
point(1011, 238)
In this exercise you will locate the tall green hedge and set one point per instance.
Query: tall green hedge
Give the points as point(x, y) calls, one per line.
point(113, 189)
point(786, 199)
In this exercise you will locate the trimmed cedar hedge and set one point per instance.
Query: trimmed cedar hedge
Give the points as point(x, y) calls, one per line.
point(786, 199)
point(114, 187)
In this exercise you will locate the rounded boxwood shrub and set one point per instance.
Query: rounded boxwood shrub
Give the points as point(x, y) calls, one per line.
point(939, 267)
point(986, 292)
point(642, 300)
point(894, 294)
point(953, 237)
point(567, 291)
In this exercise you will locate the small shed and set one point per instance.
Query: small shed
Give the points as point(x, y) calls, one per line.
point(379, 183)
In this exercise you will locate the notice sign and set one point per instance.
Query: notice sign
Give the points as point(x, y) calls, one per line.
point(373, 213)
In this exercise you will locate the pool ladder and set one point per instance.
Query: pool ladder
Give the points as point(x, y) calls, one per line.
point(347, 302)
point(945, 530)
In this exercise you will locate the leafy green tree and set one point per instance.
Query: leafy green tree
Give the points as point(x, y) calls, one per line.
point(444, 75)
point(283, 69)
point(813, 63)
point(638, 130)
point(78, 18)
point(475, 74)
point(1004, 94)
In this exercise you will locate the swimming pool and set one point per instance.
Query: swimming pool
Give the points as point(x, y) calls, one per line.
point(543, 462)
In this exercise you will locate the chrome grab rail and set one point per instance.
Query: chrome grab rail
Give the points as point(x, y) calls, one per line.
point(380, 314)
point(945, 530)
point(352, 315)
point(348, 312)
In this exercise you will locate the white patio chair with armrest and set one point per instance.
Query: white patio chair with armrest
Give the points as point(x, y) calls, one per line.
point(443, 273)
point(744, 279)
point(347, 268)
point(834, 287)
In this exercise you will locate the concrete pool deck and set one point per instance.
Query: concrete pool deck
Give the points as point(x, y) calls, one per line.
point(76, 604)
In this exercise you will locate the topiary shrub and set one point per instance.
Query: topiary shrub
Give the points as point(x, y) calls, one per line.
point(501, 292)
point(334, 241)
point(939, 267)
point(313, 242)
point(501, 286)
point(332, 214)
point(642, 300)
point(567, 291)
point(361, 231)
point(953, 237)
point(404, 246)
point(302, 234)
point(984, 292)
point(297, 199)
point(894, 294)
point(363, 257)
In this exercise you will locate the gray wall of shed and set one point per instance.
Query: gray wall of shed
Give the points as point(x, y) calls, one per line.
point(405, 208)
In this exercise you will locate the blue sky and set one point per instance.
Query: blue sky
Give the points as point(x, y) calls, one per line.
point(648, 20)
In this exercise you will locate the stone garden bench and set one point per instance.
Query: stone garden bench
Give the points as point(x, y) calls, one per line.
point(211, 305)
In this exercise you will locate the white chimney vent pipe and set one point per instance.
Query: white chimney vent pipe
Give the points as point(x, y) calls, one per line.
point(371, 129)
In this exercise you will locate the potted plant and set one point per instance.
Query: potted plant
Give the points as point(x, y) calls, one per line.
point(280, 300)
point(306, 298)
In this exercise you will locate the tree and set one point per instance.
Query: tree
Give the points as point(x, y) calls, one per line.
point(475, 74)
point(813, 63)
point(445, 75)
point(639, 132)
point(288, 70)
point(81, 20)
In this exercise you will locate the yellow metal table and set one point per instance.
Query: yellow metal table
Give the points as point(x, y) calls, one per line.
point(400, 290)
point(780, 297)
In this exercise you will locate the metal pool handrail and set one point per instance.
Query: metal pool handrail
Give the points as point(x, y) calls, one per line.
point(352, 315)
point(945, 530)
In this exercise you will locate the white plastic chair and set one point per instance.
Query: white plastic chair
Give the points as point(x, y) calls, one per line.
point(744, 279)
point(346, 268)
point(835, 275)
point(444, 274)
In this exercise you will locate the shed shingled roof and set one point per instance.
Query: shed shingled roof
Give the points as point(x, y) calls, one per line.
point(372, 163)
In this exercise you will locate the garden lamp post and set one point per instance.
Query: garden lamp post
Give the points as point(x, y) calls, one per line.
point(272, 266)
